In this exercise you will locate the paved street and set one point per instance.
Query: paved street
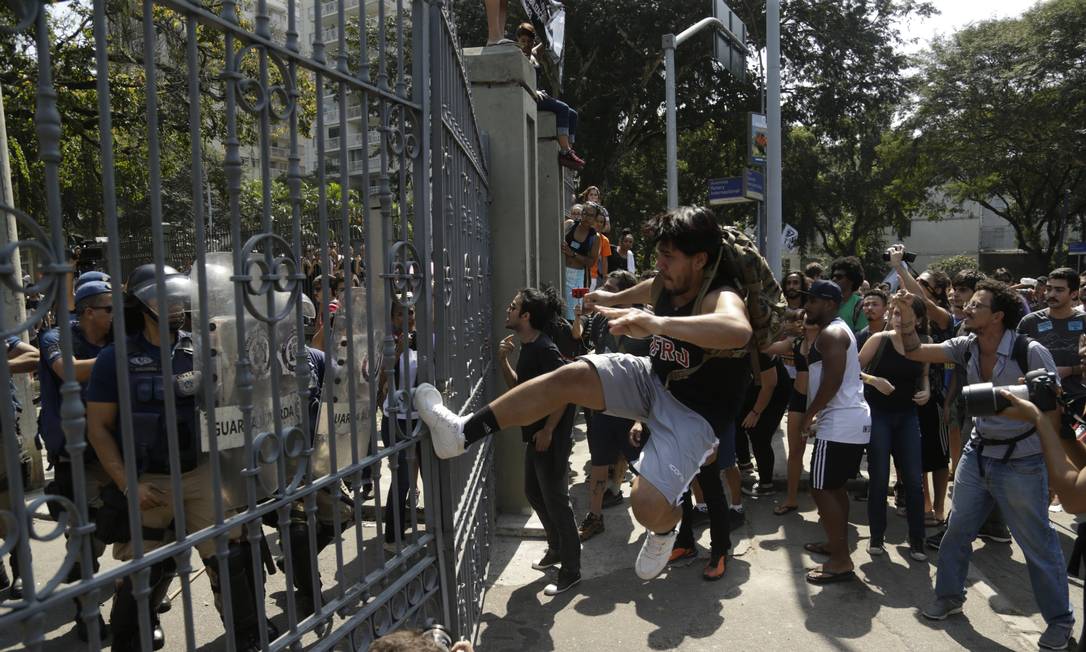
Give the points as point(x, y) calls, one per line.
point(763, 601)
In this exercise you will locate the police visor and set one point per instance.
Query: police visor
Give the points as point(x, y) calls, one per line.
point(177, 298)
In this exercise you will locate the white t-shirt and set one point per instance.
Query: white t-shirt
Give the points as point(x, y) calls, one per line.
point(846, 418)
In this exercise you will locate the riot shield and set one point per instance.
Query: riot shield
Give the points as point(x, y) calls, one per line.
point(350, 405)
point(272, 352)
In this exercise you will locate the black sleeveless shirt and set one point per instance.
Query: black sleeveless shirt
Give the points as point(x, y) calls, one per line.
point(715, 389)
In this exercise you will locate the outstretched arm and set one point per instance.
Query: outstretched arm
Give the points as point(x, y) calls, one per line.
point(723, 323)
point(637, 295)
point(914, 350)
point(936, 313)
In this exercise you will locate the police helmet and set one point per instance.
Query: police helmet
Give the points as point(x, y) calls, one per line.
point(142, 273)
point(309, 311)
point(143, 289)
point(90, 289)
point(88, 277)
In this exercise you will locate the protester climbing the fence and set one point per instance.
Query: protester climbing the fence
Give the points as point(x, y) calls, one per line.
point(682, 392)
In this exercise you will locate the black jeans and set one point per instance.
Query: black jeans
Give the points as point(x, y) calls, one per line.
point(720, 532)
point(546, 484)
point(761, 436)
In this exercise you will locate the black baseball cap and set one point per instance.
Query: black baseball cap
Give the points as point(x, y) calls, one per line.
point(825, 290)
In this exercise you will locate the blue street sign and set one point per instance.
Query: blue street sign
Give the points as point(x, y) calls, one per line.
point(728, 190)
point(1077, 249)
point(754, 185)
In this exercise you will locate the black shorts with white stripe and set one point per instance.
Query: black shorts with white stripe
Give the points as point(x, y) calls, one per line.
point(834, 463)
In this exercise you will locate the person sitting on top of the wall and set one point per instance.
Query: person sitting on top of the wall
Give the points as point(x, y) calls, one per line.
point(565, 116)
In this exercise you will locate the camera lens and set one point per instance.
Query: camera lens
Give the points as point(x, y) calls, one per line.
point(984, 399)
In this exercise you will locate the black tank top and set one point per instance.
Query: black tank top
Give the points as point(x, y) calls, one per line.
point(903, 374)
point(715, 390)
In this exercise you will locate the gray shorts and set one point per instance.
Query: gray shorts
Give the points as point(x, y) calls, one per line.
point(681, 440)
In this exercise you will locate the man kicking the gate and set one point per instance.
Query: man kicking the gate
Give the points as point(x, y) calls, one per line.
point(681, 391)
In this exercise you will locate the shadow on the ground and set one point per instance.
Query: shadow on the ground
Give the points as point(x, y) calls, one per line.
point(675, 603)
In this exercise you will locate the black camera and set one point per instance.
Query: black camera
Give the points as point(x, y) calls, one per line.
point(909, 256)
point(984, 399)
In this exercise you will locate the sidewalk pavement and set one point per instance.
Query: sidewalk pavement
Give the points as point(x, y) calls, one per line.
point(763, 602)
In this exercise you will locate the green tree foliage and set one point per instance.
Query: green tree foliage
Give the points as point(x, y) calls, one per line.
point(842, 79)
point(954, 264)
point(999, 120)
point(72, 49)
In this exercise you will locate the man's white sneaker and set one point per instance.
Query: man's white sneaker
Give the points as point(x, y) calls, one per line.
point(446, 428)
point(654, 554)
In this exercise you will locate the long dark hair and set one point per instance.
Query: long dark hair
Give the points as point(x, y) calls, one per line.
point(544, 307)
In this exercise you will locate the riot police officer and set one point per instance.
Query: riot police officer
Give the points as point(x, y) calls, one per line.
point(91, 330)
point(148, 388)
point(299, 528)
point(21, 358)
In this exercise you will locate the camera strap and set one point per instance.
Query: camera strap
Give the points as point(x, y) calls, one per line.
point(1009, 443)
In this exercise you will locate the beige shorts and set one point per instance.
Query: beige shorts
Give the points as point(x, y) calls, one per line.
point(197, 502)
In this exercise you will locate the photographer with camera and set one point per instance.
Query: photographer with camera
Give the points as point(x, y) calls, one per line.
point(1002, 464)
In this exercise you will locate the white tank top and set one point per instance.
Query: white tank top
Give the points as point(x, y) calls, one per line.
point(846, 418)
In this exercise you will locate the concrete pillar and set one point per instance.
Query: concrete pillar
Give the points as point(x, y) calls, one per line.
point(503, 87)
point(14, 309)
point(551, 202)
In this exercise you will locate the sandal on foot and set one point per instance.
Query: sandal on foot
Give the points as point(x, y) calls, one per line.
point(781, 510)
point(816, 549)
point(823, 576)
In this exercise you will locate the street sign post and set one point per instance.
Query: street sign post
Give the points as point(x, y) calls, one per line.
point(725, 25)
point(753, 185)
point(758, 139)
point(725, 51)
point(736, 190)
point(1076, 249)
point(728, 190)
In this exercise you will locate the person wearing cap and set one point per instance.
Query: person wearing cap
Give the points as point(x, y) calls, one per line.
point(92, 329)
point(148, 386)
point(836, 399)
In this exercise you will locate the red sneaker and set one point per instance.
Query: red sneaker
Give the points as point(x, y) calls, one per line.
point(570, 160)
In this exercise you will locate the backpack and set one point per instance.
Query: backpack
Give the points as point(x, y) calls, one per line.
point(740, 265)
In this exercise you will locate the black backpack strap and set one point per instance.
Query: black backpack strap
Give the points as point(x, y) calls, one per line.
point(1020, 352)
point(1009, 443)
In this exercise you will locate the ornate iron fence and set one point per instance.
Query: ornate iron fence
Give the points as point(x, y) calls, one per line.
point(284, 499)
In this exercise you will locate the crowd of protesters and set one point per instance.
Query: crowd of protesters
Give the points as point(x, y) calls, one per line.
point(862, 371)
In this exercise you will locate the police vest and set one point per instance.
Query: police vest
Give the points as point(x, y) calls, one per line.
point(147, 388)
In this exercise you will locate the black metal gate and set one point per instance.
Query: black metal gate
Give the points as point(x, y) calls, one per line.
point(249, 143)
